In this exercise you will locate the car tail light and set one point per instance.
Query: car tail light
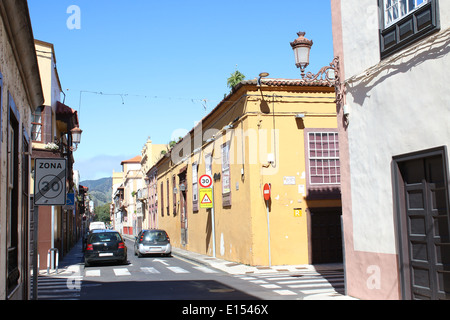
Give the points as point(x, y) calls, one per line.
point(121, 245)
point(90, 247)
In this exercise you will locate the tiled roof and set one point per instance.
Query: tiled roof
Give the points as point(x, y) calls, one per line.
point(286, 82)
point(136, 159)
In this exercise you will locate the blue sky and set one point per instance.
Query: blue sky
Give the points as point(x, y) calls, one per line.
point(141, 68)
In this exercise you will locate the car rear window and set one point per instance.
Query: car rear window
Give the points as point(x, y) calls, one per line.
point(105, 237)
point(155, 236)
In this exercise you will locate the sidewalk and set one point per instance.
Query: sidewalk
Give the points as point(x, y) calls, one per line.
point(238, 268)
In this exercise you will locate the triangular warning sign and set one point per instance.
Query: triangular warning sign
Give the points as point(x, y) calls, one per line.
point(206, 199)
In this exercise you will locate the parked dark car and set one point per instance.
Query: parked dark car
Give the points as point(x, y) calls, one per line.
point(105, 246)
point(153, 241)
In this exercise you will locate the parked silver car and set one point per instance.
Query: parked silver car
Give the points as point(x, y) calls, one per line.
point(153, 241)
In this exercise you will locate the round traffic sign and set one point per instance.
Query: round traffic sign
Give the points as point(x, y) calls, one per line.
point(205, 181)
point(50, 186)
point(266, 192)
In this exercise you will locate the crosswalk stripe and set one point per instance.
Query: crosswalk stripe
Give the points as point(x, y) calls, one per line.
point(122, 272)
point(270, 286)
point(149, 270)
point(308, 285)
point(177, 270)
point(92, 273)
point(318, 280)
point(315, 291)
point(285, 292)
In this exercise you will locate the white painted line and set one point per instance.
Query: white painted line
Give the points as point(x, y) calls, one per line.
point(270, 286)
point(149, 270)
point(177, 270)
point(122, 272)
point(316, 285)
point(315, 291)
point(308, 281)
point(92, 273)
point(258, 281)
point(285, 292)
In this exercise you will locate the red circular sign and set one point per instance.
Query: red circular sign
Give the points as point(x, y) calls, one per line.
point(205, 181)
point(266, 192)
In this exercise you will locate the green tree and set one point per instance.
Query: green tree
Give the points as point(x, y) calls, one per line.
point(235, 78)
point(102, 213)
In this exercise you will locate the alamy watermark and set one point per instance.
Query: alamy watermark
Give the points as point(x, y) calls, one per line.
point(74, 20)
point(250, 146)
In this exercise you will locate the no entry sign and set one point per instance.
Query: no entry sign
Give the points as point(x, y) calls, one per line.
point(50, 182)
point(266, 192)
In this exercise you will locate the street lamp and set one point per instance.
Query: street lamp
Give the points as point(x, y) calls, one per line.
point(329, 75)
point(76, 136)
point(302, 47)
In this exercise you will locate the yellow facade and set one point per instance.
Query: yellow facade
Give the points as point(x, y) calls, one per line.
point(266, 145)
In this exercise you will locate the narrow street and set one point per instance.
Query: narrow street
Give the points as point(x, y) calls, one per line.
point(175, 278)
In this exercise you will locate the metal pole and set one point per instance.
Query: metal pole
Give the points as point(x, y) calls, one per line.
point(52, 244)
point(35, 252)
point(268, 232)
point(213, 222)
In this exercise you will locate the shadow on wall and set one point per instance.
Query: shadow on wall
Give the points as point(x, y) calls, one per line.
point(434, 48)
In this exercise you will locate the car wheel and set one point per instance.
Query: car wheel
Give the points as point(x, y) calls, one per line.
point(86, 263)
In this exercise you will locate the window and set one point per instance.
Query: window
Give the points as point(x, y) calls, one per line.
point(174, 186)
point(394, 10)
point(404, 22)
point(1, 109)
point(162, 198)
point(37, 124)
point(323, 151)
point(195, 187)
point(168, 197)
point(226, 189)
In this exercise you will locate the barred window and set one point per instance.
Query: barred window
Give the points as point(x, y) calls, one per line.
point(323, 151)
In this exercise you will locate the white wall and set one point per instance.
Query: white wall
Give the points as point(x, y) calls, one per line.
point(398, 105)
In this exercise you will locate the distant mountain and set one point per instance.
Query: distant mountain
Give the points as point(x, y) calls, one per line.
point(100, 190)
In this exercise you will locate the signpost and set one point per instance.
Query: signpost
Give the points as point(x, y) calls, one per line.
point(266, 193)
point(207, 201)
point(49, 190)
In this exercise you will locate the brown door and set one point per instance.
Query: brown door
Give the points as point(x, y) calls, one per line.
point(183, 209)
point(326, 235)
point(425, 221)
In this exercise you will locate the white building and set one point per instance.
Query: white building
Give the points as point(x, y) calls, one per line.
point(394, 157)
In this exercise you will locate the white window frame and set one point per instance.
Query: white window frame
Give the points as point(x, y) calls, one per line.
point(322, 158)
point(401, 8)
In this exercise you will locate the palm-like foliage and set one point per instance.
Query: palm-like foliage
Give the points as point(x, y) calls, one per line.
point(234, 79)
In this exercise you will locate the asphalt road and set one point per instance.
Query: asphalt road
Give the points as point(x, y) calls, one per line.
point(166, 278)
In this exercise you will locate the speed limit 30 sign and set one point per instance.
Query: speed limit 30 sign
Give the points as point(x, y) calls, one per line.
point(50, 182)
point(205, 181)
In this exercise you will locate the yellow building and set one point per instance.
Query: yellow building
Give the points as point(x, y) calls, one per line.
point(147, 195)
point(278, 132)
